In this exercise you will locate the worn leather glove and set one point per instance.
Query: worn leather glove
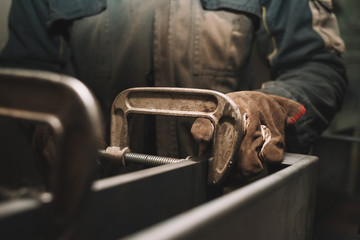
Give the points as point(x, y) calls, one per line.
point(265, 118)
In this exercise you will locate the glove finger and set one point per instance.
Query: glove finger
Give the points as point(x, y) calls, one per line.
point(273, 149)
point(249, 161)
point(202, 130)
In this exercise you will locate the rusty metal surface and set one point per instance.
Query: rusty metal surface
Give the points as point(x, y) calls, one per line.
point(69, 108)
point(215, 106)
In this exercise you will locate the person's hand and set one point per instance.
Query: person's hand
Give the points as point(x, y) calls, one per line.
point(264, 119)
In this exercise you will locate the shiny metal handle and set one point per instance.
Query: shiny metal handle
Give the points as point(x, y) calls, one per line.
point(183, 102)
point(71, 110)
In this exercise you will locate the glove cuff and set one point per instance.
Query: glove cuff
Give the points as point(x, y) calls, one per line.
point(297, 116)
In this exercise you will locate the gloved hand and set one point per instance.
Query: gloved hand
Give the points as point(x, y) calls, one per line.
point(265, 118)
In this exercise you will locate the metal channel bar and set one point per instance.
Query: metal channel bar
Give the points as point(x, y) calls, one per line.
point(170, 202)
point(127, 203)
point(279, 206)
point(123, 204)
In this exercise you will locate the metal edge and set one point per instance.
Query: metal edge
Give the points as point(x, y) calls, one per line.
point(141, 174)
point(13, 207)
point(174, 227)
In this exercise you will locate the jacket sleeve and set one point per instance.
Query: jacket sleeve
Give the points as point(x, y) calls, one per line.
point(38, 32)
point(305, 62)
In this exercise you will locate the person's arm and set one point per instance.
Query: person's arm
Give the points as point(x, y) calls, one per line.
point(308, 89)
point(31, 44)
point(305, 61)
point(37, 33)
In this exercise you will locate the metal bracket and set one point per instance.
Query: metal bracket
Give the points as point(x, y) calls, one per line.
point(182, 102)
point(70, 109)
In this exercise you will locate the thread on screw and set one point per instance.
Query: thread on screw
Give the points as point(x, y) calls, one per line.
point(149, 160)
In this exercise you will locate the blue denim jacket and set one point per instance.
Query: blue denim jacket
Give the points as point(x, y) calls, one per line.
point(303, 54)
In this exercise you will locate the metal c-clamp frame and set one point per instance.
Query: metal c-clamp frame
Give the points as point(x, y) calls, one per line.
point(182, 102)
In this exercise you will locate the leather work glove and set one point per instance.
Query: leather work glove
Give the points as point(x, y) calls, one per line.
point(265, 118)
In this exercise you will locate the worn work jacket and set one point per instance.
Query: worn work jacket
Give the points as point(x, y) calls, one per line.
point(113, 45)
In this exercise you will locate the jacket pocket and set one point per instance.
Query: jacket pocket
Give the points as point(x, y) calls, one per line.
point(69, 10)
point(222, 43)
point(247, 6)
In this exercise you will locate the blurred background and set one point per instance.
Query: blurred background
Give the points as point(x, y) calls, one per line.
point(338, 196)
point(337, 214)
